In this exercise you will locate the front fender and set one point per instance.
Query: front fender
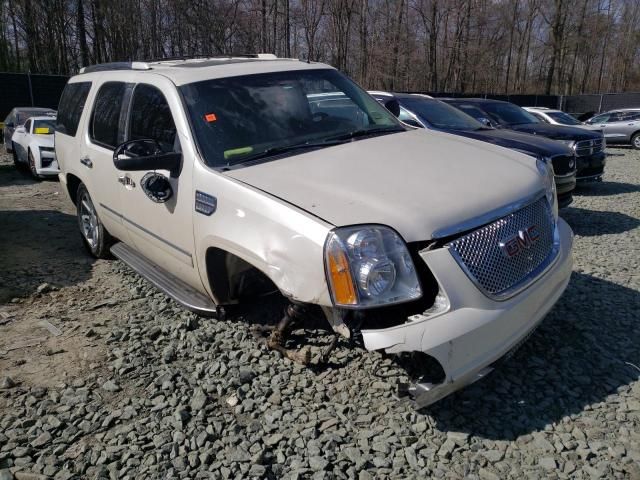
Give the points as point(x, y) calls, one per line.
point(280, 240)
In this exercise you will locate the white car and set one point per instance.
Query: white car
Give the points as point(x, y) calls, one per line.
point(554, 117)
point(226, 179)
point(32, 146)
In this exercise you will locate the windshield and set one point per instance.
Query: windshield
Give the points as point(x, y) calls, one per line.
point(509, 114)
point(440, 115)
point(246, 117)
point(564, 118)
point(44, 127)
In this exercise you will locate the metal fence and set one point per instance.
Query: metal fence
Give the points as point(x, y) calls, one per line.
point(25, 90)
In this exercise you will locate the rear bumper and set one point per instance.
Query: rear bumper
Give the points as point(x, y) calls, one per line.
point(475, 331)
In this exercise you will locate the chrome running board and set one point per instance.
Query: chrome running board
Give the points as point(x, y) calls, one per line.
point(175, 288)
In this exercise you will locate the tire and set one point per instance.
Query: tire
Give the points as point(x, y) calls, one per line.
point(635, 141)
point(32, 166)
point(95, 237)
point(16, 162)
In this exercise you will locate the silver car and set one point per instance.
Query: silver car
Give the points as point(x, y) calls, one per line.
point(618, 126)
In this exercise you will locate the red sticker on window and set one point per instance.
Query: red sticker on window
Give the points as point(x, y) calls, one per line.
point(210, 117)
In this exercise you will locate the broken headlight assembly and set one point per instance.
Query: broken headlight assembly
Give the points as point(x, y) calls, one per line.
point(545, 168)
point(369, 266)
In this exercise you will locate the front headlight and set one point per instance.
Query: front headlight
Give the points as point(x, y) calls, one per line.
point(545, 168)
point(369, 266)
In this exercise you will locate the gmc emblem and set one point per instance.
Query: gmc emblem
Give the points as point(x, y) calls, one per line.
point(519, 242)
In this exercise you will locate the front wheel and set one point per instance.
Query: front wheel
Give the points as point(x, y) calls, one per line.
point(635, 141)
point(32, 166)
point(95, 237)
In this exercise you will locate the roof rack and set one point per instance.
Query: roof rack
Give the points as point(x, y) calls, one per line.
point(261, 56)
point(102, 67)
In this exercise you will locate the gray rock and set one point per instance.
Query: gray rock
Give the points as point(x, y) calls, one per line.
point(41, 440)
point(199, 400)
point(5, 474)
point(110, 386)
point(318, 463)
point(7, 382)
point(548, 463)
point(168, 354)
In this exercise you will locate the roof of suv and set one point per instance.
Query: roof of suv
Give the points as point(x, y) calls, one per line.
point(188, 70)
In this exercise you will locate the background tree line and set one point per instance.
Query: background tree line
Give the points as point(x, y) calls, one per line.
point(492, 46)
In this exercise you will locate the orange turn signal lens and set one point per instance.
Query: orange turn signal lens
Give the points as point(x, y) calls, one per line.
point(340, 275)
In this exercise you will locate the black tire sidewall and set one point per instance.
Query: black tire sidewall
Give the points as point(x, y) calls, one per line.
point(32, 165)
point(101, 248)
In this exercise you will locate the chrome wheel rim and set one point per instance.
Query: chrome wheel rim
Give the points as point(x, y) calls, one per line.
point(636, 141)
point(89, 221)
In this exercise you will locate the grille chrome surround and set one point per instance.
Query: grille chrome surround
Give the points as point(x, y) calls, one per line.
point(499, 277)
point(584, 148)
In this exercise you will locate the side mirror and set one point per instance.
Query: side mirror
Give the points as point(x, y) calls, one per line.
point(20, 129)
point(146, 154)
point(485, 121)
point(393, 106)
point(413, 123)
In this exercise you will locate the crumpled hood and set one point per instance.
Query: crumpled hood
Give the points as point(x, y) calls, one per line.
point(557, 132)
point(417, 182)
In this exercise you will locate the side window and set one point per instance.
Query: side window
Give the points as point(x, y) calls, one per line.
point(71, 106)
point(27, 126)
point(151, 117)
point(104, 129)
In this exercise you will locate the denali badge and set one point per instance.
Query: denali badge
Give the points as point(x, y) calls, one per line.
point(522, 240)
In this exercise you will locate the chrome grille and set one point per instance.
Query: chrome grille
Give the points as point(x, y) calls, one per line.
point(483, 257)
point(589, 147)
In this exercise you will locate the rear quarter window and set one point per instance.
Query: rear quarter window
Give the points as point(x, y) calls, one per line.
point(71, 106)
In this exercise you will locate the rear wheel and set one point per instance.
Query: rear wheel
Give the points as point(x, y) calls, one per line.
point(32, 166)
point(95, 237)
point(635, 141)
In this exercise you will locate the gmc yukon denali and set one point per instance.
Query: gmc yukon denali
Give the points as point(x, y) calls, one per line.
point(225, 179)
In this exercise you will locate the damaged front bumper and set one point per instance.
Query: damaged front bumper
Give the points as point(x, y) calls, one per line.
point(475, 331)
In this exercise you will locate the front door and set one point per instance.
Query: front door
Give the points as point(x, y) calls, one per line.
point(161, 227)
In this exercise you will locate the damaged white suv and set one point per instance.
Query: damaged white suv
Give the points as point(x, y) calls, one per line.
point(220, 179)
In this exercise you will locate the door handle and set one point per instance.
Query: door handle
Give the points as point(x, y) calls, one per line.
point(127, 181)
point(86, 161)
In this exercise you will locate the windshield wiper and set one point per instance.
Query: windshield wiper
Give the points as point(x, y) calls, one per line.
point(269, 152)
point(368, 131)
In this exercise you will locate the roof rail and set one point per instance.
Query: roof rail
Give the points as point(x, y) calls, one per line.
point(103, 67)
point(262, 56)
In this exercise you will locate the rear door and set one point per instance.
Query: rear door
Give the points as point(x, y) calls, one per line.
point(104, 132)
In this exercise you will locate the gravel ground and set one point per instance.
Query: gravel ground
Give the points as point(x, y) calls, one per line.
point(101, 376)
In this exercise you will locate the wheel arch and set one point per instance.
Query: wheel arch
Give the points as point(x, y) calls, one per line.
point(232, 279)
point(73, 183)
